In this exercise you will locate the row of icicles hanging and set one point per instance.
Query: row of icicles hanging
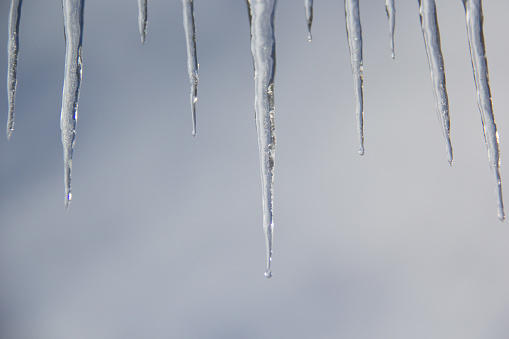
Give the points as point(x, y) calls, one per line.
point(262, 18)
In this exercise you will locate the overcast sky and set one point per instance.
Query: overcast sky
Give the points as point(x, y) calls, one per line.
point(164, 239)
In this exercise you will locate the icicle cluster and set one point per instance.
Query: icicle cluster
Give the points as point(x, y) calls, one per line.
point(263, 48)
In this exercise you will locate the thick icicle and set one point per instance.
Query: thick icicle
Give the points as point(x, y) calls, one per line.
point(263, 48)
point(431, 34)
point(12, 50)
point(73, 31)
point(192, 60)
point(308, 6)
point(391, 15)
point(142, 18)
point(354, 32)
point(474, 19)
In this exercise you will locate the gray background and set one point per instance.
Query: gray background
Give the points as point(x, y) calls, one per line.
point(163, 238)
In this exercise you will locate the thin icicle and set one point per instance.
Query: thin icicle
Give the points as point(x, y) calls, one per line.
point(474, 19)
point(12, 50)
point(354, 32)
point(142, 18)
point(73, 31)
point(431, 34)
point(308, 6)
point(192, 60)
point(263, 48)
point(391, 15)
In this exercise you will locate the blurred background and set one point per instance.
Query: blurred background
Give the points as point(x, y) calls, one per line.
point(164, 235)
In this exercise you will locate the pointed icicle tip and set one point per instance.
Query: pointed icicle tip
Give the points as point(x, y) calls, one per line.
point(501, 216)
point(68, 201)
point(9, 134)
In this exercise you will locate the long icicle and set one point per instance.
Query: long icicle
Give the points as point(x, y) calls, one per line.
point(192, 60)
point(263, 48)
point(73, 31)
point(474, 19)
point(431, 34)
point(13, 51)
point(390, 8)
point(354, 33)
point(142, 18)
point(308, 7)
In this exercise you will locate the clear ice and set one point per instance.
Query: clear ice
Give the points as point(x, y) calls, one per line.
point(354, 32)
point(192, 60)
point(73, 32)
point(474, 19)
point(308, 7)
point(390, 8)
point(263, 48)
point(431, 34)
point(12, 50)
point(142, 18)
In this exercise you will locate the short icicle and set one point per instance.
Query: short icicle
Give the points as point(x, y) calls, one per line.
point(142, 18)
point(192, 60)
point(13, 51)
point(431, 34)
point(474, 19)
point(263, 48)
point(354, 33)
point(391, 15)
point(73, 31)
point(308, 7)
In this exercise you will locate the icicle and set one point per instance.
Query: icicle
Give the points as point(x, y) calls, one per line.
point(73, 30)
point(354, 32)
point(142, 18)
point(192, 61)
point(474, 18)
point(308, 6)
point(431, 34)
point(13, 50)
point(263, 48)
point(391, 15)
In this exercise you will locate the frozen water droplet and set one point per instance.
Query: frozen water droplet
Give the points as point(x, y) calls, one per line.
point(268, 274)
